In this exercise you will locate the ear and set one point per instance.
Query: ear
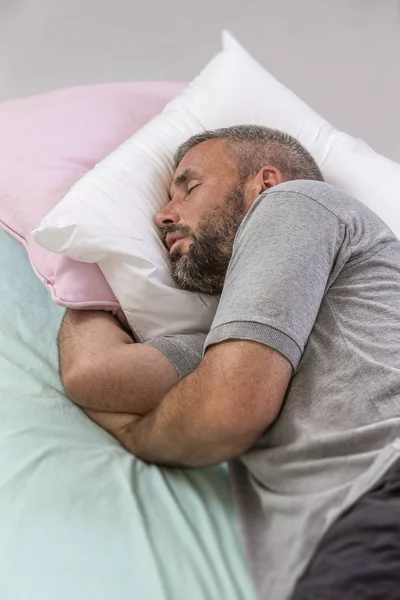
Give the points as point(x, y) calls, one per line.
point(265, 179)
point(268, 177)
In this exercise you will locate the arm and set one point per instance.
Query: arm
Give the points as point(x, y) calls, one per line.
point(102, 369)
point(216, 413)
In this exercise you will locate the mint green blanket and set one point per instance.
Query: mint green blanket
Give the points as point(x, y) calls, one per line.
point(80, 518)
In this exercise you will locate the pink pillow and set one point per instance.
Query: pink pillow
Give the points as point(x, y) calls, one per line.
point(50, 141)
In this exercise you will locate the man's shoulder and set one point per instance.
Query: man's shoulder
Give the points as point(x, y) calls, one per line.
point(313, 206)
point(320, 205)
point(319, 191)
point(309, 199)
point(345, 207)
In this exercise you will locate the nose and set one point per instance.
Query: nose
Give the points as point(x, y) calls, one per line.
point(166, 216)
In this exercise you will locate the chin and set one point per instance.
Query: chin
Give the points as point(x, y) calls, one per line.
point(176, 255)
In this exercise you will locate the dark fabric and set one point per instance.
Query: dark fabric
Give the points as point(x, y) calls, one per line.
point(359, 556)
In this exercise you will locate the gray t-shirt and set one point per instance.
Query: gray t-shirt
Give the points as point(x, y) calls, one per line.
point(315, 275)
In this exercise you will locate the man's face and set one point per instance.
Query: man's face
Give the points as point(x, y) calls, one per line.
point(199, 224)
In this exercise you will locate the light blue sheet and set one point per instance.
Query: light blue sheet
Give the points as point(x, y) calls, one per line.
point(80, 518)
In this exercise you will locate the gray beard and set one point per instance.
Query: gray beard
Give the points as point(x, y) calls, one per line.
point(204, 266)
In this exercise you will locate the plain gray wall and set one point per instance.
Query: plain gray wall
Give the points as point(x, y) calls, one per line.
point(341, 56)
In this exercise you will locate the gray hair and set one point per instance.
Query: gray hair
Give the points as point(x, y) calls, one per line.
point(255, 146)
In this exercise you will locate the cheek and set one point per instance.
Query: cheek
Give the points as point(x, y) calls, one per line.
point(192, 214)
point(200, 204)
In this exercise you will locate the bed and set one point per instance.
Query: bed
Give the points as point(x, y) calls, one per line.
point(80, 517)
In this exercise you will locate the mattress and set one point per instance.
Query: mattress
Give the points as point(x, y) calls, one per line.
point(81, 518)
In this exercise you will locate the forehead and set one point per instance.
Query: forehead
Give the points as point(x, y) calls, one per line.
point(204, 159)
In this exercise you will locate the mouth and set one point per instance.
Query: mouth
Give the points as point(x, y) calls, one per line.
point(172, 240)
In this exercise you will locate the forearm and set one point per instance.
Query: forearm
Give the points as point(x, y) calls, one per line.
point(104, 370)
point(195, 425)
point(216, 413)
point(174, 438)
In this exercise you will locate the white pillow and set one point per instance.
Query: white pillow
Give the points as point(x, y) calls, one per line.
point(107, 217)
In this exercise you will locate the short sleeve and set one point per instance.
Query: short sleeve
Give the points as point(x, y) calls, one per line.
point(284, 253)
point(184, 351)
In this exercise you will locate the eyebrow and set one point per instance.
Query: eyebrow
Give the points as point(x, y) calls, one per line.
point(183, 177)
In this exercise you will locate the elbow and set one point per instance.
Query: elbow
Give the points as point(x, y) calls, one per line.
point(77, 381)
point(72, 381)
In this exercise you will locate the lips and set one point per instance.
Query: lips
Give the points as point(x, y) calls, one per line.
point(172, 239)
point(171, 250)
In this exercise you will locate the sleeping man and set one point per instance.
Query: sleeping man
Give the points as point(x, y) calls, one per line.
point(298, 381)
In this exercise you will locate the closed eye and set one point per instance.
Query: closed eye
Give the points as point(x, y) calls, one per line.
point(190, 190)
